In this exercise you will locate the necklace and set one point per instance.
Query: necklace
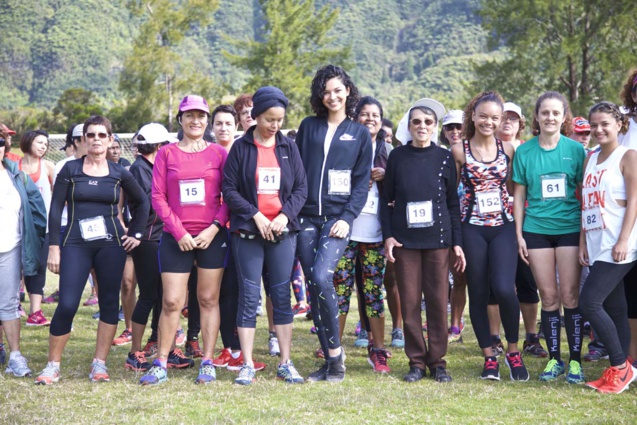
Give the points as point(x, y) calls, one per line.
point(480, 154)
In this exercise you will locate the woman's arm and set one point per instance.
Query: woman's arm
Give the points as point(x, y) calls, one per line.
point(519, 200)
point(628, 167)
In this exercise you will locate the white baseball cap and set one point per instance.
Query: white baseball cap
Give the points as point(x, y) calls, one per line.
point(402, 132)
point(78, 130)
point(152, 134)
point(454, 116)
point(512, 107)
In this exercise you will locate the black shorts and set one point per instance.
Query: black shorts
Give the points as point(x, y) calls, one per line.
point(539, 241)
point(174, 260)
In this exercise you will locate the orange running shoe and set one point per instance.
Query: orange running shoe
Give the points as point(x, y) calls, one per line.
point(617, 380)
point(223, 359)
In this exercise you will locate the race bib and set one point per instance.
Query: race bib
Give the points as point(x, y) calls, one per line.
point(371, 206)
point(489, 202)
point(93, 228)
point(553, 186)
point(420, 214)
point(269, 180)
point(592, 219)
point(340, 182)
point(192, 192)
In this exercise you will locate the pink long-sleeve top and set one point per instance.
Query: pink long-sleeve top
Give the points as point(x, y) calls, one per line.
point(178, 178)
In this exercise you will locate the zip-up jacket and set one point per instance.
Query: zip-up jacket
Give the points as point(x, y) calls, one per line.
point(380, 160)
point(350, 149)
point(142, 170)
point(240, 188)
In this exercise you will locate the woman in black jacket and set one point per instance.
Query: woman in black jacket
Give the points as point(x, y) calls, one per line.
point(336, 153)
point(264, 186)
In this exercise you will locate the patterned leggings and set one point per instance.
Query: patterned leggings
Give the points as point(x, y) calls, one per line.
point(372, 258)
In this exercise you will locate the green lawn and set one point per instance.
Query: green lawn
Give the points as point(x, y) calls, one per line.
point(364, 397)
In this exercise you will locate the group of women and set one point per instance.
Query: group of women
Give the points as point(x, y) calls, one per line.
point(336, 200)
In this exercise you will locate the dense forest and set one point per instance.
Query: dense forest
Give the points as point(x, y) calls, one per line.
point(399, 50)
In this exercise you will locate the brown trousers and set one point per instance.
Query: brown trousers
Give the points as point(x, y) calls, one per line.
point(424, 272)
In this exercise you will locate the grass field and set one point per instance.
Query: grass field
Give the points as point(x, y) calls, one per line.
point(363, 398)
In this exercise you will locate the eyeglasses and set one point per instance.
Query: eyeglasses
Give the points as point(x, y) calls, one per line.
point(417, 121)
point(3, 143)
point(452, 127)
point(511, 118)
point(98, 135)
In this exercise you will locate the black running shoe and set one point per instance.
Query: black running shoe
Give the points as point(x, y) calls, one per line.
point(319, 375)
point(516, 367)
point(440, 374)
point(491, 369)
point(177, 360)
point(336, 368)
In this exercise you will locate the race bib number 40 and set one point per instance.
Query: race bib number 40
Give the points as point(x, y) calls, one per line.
point(269, 180)
point(192, 192)
point(340, 182)
point(93, 228)
point(420, 214)
point(553, 186)
point(489, 202)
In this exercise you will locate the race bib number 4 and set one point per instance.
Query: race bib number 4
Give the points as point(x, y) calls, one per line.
point(553, 186)
point(489, 202)
point(592, 219)
point(93, 228)
point(192, 192)
point(340, 182)
point(420, 214)
point(371, 206)
point(269, 180)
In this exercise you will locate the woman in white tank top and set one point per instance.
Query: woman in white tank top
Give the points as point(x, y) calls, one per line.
point(608, 241)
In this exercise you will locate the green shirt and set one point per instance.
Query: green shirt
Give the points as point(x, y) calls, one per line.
point(551, 178)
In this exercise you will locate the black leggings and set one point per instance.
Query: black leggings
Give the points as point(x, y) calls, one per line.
point(146, 261)
point(491, 253)
point(194, 315)
point(35, 284)
point(75, 264)
point(228, 304)
point(603, 303)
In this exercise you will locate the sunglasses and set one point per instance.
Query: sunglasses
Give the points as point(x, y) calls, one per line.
point(3, 143)
point(417, 121)
point(452, 127)
point(98, 135)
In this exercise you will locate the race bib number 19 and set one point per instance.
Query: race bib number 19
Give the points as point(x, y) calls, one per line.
point(420, 214)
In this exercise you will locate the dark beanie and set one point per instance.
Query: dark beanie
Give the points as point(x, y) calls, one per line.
point(267, 97)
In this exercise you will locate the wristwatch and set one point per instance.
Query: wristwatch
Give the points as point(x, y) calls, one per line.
point(216, 223)
point(138, 235)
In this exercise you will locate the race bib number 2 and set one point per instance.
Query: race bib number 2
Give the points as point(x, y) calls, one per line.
point(371, 206)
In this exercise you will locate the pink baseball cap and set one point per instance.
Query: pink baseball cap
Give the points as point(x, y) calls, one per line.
point(194, 102)
point(581, 125)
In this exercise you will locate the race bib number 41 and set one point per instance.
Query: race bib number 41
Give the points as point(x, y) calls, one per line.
point(420, 214)
point(192, 192)
point(553, 186)
point(269, 180)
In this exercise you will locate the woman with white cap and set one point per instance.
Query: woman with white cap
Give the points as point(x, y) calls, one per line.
point(420, 217)
point(186, 195)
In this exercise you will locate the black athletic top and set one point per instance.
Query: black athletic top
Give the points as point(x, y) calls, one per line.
point(92, 206)
point(142, 171)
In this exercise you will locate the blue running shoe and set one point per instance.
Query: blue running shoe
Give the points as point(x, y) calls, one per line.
point(397, 338)
point(363, 339)
point(552, 370)
point(288, 373)
point(207, 373)
point(575, 373)
point(155, 375)
point(246, 375)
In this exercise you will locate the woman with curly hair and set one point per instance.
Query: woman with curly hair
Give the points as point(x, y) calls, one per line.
point(336, 154)
point(547, 171)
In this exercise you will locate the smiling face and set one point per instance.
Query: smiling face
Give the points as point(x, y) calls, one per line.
point(604, 128)
point(421, 126)
point(335, 95)
point(223, 127)
point(486, 118)
point(453, 133)
point(270, 122)
point(510, 126)
point(39, 146)
point(369, 116)
point(550, 116)
point(194, 124)
point(96, 140)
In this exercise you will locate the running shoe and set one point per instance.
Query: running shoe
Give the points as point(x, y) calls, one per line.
point(441, 374)
point(414, 374)
point(496, 345)
point(180, 337)
point(362, 340)
point(288, 373)
point(3, 355)
point(336, 367)
point(96, 316)
point(357, 330)
point(378, 360)
point(150, 349)
point(21, 311)
point(617, 380)
point(49, 375)
point(18, 366)
point(575, 373)
point(273, 346)
point(517, 370)
point(594, 355)
point(125, 338)
point(137, 362)
point(397, 338)
point(552, 370)
point(51, 299)
point(120, 315)
point(596, 384)
point(319, 354)
point(38, 319)
point(91, 300)
point(193, 350)
point(177, 360)
point(534, 348)
point(99, 372)
point(155, 375)
point(455, 335)
point(207, 373)
point(222, 360)
point(491, 369)
point(246, 375)
point(318, 375)
point(236, 364)
point(300, 310)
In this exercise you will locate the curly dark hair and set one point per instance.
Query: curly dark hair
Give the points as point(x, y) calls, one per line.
point(318, 88)
point(626, 94)
point(613, 110)
point(468, 126)
point(567, 126)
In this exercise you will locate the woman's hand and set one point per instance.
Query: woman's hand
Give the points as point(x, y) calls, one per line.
point(264, 226)
point(390, 243)
point(130, 243)
point(279, 223)
point(187, 243)
point(522, 251)
point(53, 262)
point(204, 239)
point(619, 251)
point(583, 254)
point(460, 262)
point(340, 229)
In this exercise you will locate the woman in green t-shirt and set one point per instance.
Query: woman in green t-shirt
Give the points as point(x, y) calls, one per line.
point(547, 171)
